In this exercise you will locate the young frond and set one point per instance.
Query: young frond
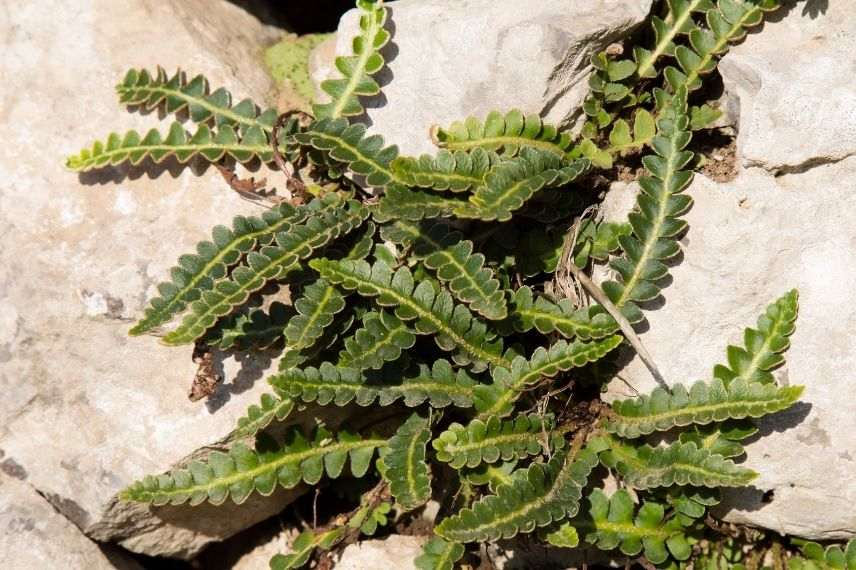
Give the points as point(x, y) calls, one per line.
point(404, 466)
point(454, 171)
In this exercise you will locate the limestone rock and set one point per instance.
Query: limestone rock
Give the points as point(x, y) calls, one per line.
point(450, 59)
point(749, 241)
point(86, 409)
point(793, 84)
point(34, 535)
point(396, 551)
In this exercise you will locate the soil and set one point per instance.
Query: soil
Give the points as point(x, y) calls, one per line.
point(721, 164)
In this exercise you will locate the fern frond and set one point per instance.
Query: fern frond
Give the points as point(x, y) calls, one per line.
point(452, 259)
point(381, 339)
point(764, 347)
point(212, 145)
point(273, 261)
point(316, 308)
point(349, 145)
point(646, 467)
point(546, 317)
point(435, 312)
point(357, 69)
point(623, 141)
point(727, 23)
point(511, 183)
point(402, 203)
point(702, 404)
point(655, 221)
point(404, 466)
point(258, 417)
point(439, 385)
point(506, 133)
point(303, 547)
point(454, 171)
point(543, 494)
point(242, 471)
point(140, 87)
point(615, 522)
point(834, 557)
point(196, 274)
point(509, 381)
point(258, 329)
point(721, 439)
point(493, 440)
point(438, 554)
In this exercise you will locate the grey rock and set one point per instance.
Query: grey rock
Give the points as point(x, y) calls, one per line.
point(749, 241)
point(86, 410)
point(450, 59)
point(34, 535)
point(793, 85)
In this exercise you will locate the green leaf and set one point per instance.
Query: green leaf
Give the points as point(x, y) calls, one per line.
point(404, 465)
point(701, 117)
point(702, 404)
point(451, 257)
point(494, 440)
point(439, 385)
point(402, 203)
point(260, 416)
point(331, 220)
point(511, 183)
point(438, 554)
point(454, 171)
point(357, 70)
point(763, 348)
point(543, 494)
point(258, 329)
point(646, 467)
point(381, 339)
point(316, 309)
point(198, 273)
point(529, 311)
point(434, 311)
point(834, 557)
point(507, 133)
point(303, 547)
point(509, 381)
point(242, 471)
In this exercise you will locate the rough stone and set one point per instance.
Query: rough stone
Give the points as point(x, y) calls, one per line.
point(85, 409)
point(450, 59)
point(793, 85)
point(34, 535)
point(396, 551)
point(750, 241)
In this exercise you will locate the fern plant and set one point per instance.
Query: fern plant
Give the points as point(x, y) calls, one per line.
point(415, 292)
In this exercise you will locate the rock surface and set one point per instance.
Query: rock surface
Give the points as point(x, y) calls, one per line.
point(793, 85)
point(450, 59)
point(34, 535)
point(750, 241)
point(86, 410)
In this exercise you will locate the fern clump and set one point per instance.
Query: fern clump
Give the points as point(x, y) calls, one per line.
point(435, 289)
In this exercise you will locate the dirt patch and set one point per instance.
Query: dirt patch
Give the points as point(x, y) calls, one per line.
point(721, 163)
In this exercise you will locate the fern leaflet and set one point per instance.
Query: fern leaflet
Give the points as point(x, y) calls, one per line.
point(404, 465)
point(316, 309)
point(260, 416)
point(456, 172)
point(380, 340)
point(438, 554)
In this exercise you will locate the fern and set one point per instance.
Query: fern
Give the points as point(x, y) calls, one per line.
point(381, 339)
point(454, 171)
point(723, 439)
point(655, 222)
point(316, 309)
point(646, 467)
point(271, 262)
point(452, 259)
point(544, 493)
point(702, 404)
point(440, 385)
point(404, 465)
point(260, 416)
point(763, 347)
point(402, 203)
point(439, 554)
point(511, 183)
point(509, 381)
point(506, 133)
point(258, 329)
point(434, 311)
point(357, 70)
point(349, 145)
point(303, 547)
point(242, 471)
point(834, 557)
point(198, 273)
point(493, 440)
point(176, 93)
point(530, 312)
point(614, 522)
